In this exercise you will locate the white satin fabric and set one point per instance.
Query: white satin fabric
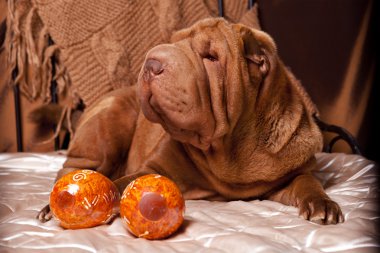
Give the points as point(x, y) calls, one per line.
point(238, 226)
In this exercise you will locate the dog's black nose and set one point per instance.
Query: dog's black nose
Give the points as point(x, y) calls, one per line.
point(153, 67)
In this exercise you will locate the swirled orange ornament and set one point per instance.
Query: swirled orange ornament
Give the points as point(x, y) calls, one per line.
point(152, 206)
point(84, 198)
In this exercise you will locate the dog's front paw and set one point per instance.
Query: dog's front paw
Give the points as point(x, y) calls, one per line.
point(321, 210)
point(45, 214)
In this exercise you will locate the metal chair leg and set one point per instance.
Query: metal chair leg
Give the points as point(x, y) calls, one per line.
point(16, 95)
point(54, 93)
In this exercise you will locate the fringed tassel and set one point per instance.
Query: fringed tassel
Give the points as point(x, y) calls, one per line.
point(30, 57)
point(11, 33)
point(63, 80)
point(29, 40)
point(46, 72)
point(16, 43)
point(33, 57)
point(65, 122)
point(29, 51)
point(62, 118)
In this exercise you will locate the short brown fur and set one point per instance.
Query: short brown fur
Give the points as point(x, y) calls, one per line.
point(217, 112)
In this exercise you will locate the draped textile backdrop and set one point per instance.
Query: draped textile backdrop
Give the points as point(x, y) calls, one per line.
point(100, 45)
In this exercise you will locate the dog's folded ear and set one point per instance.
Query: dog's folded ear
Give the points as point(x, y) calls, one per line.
point(259, 47)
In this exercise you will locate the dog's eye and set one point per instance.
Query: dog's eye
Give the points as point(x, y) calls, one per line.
point(210, 57)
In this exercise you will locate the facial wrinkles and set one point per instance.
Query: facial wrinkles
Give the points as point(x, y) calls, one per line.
point(200, 90)
point(217, 96)
point(221, 83)
point(213, 73)
point(234, 75)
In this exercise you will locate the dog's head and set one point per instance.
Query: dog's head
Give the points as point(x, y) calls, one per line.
point(208, 78)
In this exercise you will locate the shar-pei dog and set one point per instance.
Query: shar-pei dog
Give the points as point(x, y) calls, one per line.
point(217, 112)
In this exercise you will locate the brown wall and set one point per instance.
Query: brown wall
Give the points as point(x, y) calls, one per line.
point(330, 46)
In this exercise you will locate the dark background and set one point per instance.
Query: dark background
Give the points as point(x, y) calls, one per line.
point(318, 39)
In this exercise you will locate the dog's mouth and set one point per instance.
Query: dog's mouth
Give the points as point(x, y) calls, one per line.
point(181, 118)
point(155, 105)
point(151, 109)
point(177, 128)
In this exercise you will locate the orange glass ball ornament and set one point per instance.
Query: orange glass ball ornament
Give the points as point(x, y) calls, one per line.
point(83, 199)
point(152, 206)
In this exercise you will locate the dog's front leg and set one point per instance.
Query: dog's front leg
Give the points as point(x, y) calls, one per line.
point(307, 193)
point(102, 139)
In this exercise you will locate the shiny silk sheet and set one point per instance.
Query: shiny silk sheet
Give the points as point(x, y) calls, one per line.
point(238, 226)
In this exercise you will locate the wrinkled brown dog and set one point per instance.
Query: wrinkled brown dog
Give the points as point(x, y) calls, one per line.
point(217, 112)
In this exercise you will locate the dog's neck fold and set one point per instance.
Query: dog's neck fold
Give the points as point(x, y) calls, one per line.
point(277, 137)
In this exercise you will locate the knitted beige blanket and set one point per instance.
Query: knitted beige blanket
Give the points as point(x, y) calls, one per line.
point(99, 45)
